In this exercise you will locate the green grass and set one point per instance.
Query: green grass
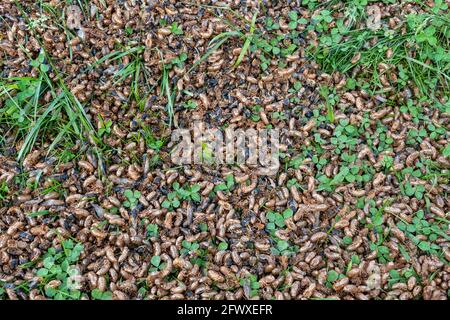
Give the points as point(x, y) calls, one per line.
point(214, 45)
point(422, 54)
point(30, 118)
point(248, 40)
point(139, 75)
point(61, 265)
point(4, 190)
point(25, 113)
point(134, 69)
point(262, 39)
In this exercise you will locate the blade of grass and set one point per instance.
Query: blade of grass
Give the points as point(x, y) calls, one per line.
point(117, 55)
point(32, 135)
point(427, 66)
